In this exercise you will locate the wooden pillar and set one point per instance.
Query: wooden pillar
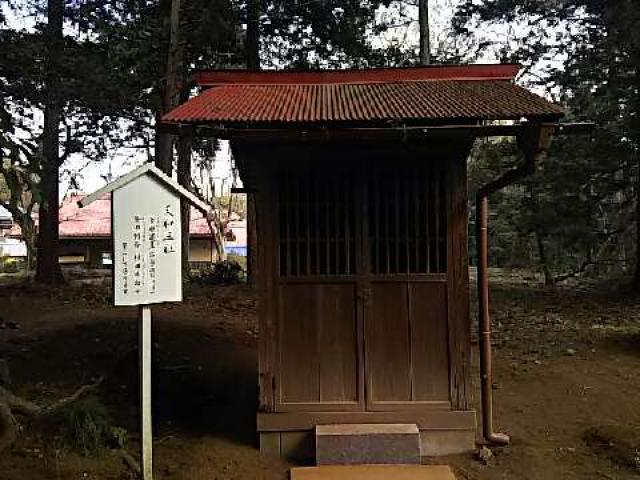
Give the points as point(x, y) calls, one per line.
point(458, 288)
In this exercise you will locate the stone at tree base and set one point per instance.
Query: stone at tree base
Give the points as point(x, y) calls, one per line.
point(484, 455)
point(361, 444)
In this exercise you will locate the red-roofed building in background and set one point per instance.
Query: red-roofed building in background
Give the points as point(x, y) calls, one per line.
point(85, 234)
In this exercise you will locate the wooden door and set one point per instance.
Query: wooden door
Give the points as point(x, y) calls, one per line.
point(406, 333)
point(319, 318)
point(362, 288)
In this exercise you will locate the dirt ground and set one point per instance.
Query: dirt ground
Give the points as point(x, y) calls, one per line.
point(567, 382)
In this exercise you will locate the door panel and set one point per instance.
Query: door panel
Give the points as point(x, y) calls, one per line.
point(406, 345)
point(429, 341)
point(387, 345)
point(299, 373)
point(319, 346)
point(338, 344)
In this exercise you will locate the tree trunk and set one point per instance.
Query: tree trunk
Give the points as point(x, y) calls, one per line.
point(253, 63)
point(29, 236)
point(184, 179)
point(425, 40)
point(178, 92)
point(637, 246)
point(170, 95)
point(548, 276)
point(48, 267)
point(21, 207)
point(164, 148)
point(253, 35)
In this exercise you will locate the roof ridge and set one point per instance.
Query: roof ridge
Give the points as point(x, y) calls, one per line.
point(363, 76)
point(372, 82)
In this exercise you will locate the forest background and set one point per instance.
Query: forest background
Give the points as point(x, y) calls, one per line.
point(82, 79)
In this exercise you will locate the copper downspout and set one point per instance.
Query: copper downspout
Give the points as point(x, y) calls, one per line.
point(484, 317)
point(484, 330)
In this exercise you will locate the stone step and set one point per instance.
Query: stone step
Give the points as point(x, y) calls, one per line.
point(361, 444)
point(374, 472)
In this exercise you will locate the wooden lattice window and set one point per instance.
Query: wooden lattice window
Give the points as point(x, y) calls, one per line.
point(317, 224)
point(408, 220)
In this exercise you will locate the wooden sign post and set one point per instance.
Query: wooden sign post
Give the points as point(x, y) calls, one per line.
point(147, 263)
point(146, 429)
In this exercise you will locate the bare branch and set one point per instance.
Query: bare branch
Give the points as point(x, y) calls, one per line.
point(76, 395)
point(18, 404)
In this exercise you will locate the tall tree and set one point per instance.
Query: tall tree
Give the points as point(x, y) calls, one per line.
point(98, 86)
point(70, 81)
point(48, 269)
point(164, 42)
point(151, 64)
point(171, 88)
point(425, 32)
point(176, 90)
point(587, 204)
point(253, 35)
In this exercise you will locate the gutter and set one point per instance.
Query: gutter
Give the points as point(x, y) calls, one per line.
point(532, 141)
point(484, 318)
point(402, 133)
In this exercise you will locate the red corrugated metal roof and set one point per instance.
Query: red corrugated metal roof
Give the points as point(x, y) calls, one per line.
point(91, 221)
point(379, 103)
point(94, 220)
point(352, 98)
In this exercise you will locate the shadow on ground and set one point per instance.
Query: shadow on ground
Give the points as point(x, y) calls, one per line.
point(204, 377)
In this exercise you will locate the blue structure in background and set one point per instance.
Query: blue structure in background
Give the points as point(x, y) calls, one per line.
point(242, 251)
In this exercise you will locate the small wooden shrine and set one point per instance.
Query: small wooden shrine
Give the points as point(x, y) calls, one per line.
point(360, 181)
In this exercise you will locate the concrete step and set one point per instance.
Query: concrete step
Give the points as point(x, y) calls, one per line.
point(361, 444)
point(374, 472)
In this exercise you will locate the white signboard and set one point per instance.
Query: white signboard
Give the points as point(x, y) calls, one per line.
point(147, 261)
point(146, 243)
